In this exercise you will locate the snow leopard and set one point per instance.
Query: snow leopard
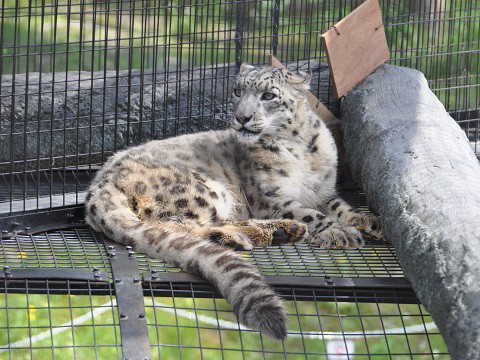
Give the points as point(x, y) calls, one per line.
point(268, 180)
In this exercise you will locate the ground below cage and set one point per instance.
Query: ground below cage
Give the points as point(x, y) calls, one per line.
point(102, 298)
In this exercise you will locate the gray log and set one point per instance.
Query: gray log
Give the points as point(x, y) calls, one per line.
point(420, 174)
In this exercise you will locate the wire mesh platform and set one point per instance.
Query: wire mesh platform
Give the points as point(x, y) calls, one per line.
point(82, 248)
point(356, 300)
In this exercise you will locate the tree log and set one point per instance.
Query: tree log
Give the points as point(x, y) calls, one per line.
point(420, 174)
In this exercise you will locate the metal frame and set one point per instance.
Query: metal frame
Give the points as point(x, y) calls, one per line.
point(132, 280)
point(131, 283)
point(130, 305)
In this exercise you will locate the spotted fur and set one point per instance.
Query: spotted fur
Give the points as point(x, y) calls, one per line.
point(267, 181)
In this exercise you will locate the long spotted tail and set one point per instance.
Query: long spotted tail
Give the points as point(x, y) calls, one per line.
point(254, 302)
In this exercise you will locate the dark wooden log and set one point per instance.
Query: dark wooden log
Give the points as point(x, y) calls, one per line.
point(80, 118)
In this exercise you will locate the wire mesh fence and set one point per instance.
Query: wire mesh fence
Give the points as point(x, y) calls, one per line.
point(205, 328)
point(42, 321)
point(54, 319)
point(83, 79)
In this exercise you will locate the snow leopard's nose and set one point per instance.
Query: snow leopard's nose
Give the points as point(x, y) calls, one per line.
point(243, 119)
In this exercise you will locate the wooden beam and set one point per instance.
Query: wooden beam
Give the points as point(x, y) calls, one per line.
point(356, 46)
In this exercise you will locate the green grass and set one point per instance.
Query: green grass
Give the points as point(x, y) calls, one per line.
point(36, 315)
point(172, 333)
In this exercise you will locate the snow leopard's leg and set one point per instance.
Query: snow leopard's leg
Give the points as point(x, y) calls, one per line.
point(272, 232)
point(325, 231)
point(226, 236)
point(245, 234)
point(367, 223)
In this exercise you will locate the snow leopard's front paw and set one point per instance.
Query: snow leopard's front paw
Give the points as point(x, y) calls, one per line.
point(368, 224)
point(334, 235)
point(288, 231)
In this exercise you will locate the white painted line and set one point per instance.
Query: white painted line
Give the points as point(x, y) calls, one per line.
point(28, 342)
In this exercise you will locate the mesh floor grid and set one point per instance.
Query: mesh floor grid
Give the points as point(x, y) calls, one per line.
point(78, 248)
point(81, 248)
point(374, 260)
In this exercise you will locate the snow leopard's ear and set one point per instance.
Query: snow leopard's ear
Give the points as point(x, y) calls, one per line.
point(299, 79)
point(245, 68)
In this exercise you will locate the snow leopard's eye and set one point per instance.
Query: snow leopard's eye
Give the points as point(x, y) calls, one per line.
point(268, 96)
point(237, 92)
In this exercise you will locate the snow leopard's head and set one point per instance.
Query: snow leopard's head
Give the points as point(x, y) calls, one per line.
point(266, 101)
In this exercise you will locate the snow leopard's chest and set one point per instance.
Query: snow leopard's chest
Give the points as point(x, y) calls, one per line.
point(291, 174)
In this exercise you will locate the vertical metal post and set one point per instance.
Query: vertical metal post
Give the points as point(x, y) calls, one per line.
point(275, 26)
point(239, 34)
point(130, 303)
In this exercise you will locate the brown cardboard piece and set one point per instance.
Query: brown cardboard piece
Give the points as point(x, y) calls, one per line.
point(356, 46)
